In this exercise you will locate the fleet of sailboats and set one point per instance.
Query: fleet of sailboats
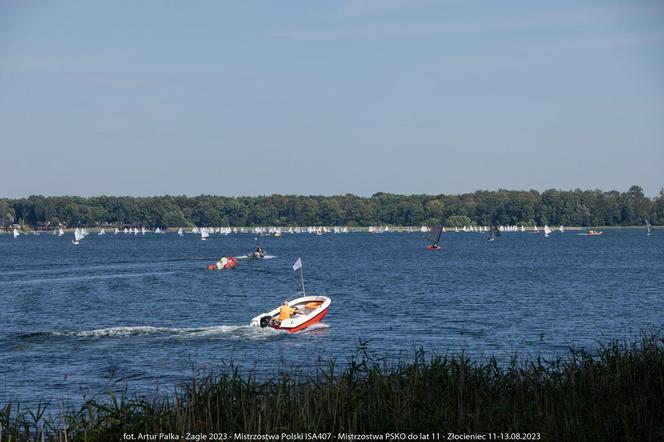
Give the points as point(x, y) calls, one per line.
point(434, 232)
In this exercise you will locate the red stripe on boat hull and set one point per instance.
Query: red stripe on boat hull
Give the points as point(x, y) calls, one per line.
point(319, 317)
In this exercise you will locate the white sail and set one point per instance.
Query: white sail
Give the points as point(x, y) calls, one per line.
point(61, 232)
point(204, 234)
point(547, 231)
point(561, 229)
point(180, 232)
point(102, 232)
point(78, 235)
point(16, 234)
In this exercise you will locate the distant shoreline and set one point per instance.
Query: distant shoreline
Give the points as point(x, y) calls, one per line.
point(351, 229)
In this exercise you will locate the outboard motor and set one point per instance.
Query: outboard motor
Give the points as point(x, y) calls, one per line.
point(265, 321)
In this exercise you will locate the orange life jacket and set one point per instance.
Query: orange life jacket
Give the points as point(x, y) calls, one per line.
point(285, 312)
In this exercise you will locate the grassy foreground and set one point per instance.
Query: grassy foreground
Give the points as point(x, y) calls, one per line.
point(617, 394)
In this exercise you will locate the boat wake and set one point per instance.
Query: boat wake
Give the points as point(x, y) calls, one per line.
point(235, 332)
point(248, 257)
point(314, 327)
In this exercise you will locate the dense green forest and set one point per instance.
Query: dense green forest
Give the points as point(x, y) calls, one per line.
point(501, 207)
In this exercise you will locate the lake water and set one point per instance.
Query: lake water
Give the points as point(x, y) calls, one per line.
point(144, 310)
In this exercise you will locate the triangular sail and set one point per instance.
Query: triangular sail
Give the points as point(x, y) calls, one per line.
point(434, 234)
point(648, 227)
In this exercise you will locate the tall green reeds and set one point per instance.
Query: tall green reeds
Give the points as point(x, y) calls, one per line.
point(615, 394)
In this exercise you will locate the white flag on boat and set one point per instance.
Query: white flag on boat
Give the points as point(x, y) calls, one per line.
point(297, 265)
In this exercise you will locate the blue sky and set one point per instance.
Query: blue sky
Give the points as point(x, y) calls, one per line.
point(314, 97)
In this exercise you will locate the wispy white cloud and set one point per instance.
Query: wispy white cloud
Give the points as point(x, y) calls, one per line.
point(353, 9)
point(380, 21)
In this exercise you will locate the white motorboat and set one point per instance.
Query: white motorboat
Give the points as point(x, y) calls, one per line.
point(309, 310)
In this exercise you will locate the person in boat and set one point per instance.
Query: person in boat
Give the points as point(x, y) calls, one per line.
point(259, 253)
point(286, 311)
point(434, 245)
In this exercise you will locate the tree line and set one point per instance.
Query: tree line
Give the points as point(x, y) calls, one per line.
point(501, 207)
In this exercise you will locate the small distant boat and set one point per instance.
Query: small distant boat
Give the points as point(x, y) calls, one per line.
point(547, 231)
point(78, 235)
point(523, 229)
point(648, 228)
point(61, 232)
point(180, 232)
point(561, 229)
point(204, 234)
point(535, 229)
point(225, 263)
point(102, 232)
point(493, 232)
point(116, 231)
point(16, 233)
point(592, 232)
point(434, 237)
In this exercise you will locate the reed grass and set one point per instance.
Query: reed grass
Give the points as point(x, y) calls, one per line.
point(616, 393)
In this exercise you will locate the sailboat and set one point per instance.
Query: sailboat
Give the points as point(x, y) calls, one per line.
point(648, 228)
point(204, 234)
point(180, 232)
point(102, 232)
point(492, 234)
point(523, 229)
point(561, 229)
point(16, 234)
point(535, 229)
point(78, 235)
point(61, 232)
point(547, 231)
point(434, 237)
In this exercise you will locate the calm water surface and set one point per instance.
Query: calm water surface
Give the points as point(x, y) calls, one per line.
point(144, 310)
